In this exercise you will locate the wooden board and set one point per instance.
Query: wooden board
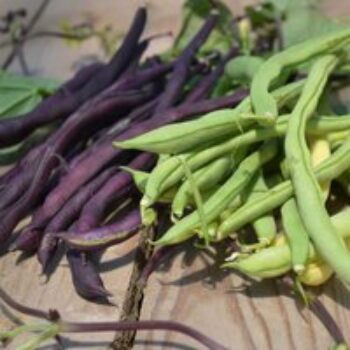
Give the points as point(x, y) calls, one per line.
point(239, 315)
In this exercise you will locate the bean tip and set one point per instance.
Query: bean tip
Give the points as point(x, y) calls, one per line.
point(13, 247)
point(119, 144)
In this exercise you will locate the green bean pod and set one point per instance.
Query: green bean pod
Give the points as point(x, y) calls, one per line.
point(308, 193)
point(341, 222)
point(205, 178)
point(329, 169)
point(298, 238)
point(159, 175)
point(221, 199)
point(265, 263)
point(263, 101)
point(265, 226)
point(212, 228)
point(170, 173)
point(139, 177)
point(181, 137)
point(320, 150)
point(276, 260)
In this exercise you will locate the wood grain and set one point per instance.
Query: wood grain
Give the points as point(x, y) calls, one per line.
point(239, 314)
point(22, 281)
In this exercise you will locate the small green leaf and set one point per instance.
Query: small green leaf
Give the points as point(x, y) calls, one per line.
point(302, 20)
point(286, 5)
point(242, 68)
point(306, 22)
point(19, 94)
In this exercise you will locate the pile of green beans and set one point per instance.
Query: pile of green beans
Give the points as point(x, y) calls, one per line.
point(251, 174)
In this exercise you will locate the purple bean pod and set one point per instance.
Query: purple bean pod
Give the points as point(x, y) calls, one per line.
point(63, 138)
point(85, 277)
point(30, 238)
point(61, 105)
point(95, 209)
point(182, 66)
point(105, 153)
point(208, 82)
point(105, 236)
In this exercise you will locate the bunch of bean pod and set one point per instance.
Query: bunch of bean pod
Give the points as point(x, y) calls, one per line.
point(262, 173)
point(72, 190)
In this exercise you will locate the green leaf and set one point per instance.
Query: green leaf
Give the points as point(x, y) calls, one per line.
point(303, 23)
point(241, 69)
point(19, 94)
point(286, 5)
point(303, 20)
point(194, 15)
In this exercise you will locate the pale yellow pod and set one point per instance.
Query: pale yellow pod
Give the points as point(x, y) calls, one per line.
point(315, 273)
point(280, 240)
point(320, 150)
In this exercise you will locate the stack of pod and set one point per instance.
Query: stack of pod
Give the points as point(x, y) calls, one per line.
point(266, 165)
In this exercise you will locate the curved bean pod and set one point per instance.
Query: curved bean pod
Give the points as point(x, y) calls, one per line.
point(315, 273)
point(307, 190)
point(331, 168)
point(320, 149)
point(276, 260)
point(177, 138)
point(221, 199)
point(266, 263)
point(262, 100)
point(105, 236)
point(243, 68)
point(298, 238)
point(205, 178)
point(265, 226)
point(170, 173)
point(139, 177)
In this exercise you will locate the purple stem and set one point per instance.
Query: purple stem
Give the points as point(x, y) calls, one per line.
point(89, 327)
point(326, 318)
point(143, 325)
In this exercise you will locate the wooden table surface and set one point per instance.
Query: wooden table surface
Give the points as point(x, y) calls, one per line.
point(190, 288)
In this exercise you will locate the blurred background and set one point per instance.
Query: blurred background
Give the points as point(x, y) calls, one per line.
point(102, 23)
